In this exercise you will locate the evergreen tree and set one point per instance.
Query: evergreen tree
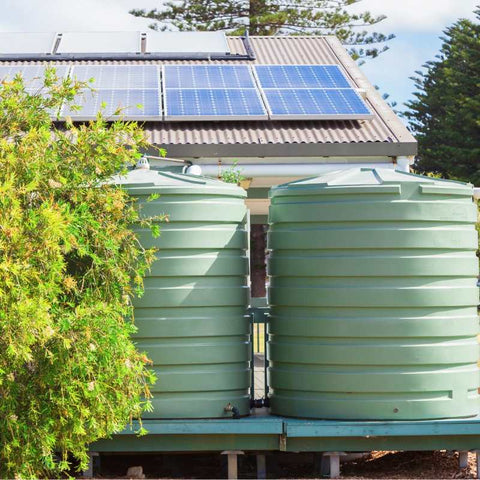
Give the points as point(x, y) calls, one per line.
point(445, 116)
point(273, 17)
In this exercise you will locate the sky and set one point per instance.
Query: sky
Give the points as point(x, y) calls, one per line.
point(417, 24)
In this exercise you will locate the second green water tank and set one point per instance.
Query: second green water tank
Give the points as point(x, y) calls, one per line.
point(192, 319)
point(373, 297)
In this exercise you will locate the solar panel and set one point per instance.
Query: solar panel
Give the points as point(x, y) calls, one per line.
point(118, 76)
point(309, 92)
point(301, 76)
point(211, 92)
point(319, 104)
point(213, 104)
point(134, 89)
point(208, 76)
point(33, 75)
point(99, 42)
point(134, 104)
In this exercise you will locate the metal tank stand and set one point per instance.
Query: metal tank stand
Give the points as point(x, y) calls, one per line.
point(232, 463)
point(330, 464)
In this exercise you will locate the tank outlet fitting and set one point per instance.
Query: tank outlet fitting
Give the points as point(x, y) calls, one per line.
point(233, 409)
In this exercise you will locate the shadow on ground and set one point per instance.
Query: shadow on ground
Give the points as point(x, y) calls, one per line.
point(394, 465)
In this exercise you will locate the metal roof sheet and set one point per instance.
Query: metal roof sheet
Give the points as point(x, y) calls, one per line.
point(384, 135)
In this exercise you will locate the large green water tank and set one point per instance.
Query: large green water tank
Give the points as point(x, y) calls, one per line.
point(192, 319)
point(373, 297)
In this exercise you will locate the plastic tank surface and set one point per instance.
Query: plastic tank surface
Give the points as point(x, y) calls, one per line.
point(373, 297)
point(192, 319)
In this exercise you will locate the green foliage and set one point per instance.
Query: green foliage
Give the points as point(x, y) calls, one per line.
point(445, 116)
point(69, 266)
point(232, 174)
point(274, 17)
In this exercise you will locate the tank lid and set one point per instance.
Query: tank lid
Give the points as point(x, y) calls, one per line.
point(370, 178)
point(144, 179)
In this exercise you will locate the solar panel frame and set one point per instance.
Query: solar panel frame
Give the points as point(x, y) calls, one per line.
point(150, 90)
point(179, 118)
point(311, 116)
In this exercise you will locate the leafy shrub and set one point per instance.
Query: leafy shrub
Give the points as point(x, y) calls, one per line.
point(232, 174)
point(69, 266)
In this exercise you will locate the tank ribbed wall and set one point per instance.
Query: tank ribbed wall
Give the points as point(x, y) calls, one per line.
point(373, 297)
point(192, 319)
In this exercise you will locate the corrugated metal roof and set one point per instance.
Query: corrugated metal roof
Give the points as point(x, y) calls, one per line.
point(385, 134)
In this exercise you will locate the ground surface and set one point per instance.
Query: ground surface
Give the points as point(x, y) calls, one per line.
point(394, 465)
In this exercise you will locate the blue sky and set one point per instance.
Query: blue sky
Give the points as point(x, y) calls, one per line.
point(416, 23)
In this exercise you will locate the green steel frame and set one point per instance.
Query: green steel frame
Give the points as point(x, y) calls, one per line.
point(263, 432)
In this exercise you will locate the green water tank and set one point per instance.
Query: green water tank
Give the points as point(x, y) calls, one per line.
point(192, 319)
point(373, 297)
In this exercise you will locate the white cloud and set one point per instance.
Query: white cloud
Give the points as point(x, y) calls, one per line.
point(48, 15)
point(417, 15)
point(392, 69)
point(80, 15)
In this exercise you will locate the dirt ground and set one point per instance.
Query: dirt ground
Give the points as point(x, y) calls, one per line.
point(394, 465)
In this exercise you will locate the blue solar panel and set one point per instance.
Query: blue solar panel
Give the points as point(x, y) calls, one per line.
point(301, 76)
point(315, 104)
point(122, 87)
point(316, 92)
point(33, 75)
point(208, 76)
point(128, 101)
point(118, 76)
point(213, 104)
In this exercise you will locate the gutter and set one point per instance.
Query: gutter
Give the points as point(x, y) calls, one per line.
point(285, 170)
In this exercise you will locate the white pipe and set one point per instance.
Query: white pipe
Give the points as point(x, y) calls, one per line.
point(288, 170)
point(403, 164)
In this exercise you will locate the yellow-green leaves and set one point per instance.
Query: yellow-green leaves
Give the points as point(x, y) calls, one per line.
point(69, 373)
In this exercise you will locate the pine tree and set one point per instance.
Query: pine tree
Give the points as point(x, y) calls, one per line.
point(274, 17)
point(445, 116)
